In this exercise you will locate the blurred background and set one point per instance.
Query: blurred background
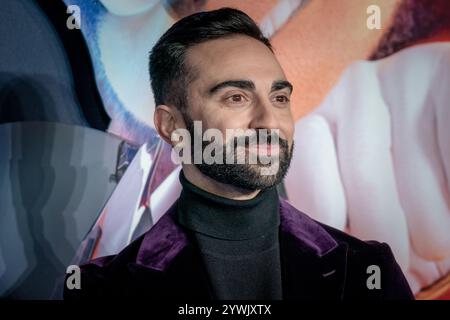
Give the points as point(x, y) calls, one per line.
point(83, 172)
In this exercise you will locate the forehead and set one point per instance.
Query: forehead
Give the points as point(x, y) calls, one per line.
point(234, 57)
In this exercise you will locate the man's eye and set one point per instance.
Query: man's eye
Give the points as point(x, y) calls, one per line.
point(282, 99)
point(236, 98)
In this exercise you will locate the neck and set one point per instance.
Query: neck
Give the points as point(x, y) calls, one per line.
point(194, 176)
point(224, 218)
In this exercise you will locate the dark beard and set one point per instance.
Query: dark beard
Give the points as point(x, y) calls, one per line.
point(245, 176)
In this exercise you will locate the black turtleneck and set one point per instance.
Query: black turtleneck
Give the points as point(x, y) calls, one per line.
point(238, 241)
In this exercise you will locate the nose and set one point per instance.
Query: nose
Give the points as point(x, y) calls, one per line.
point(265, 117)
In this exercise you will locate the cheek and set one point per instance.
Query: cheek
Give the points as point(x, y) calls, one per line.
point(287, 127)
point(222, 120)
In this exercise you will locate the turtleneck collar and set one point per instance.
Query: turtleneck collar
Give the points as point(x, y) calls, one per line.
point(228, 219)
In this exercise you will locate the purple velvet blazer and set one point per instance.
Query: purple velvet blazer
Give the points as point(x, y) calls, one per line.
point(318, 262)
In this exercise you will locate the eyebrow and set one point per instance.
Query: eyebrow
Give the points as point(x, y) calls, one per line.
point(249, 85)
point(242, 84)
point(281, 84)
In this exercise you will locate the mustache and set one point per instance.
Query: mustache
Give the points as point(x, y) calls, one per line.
point(272, 138)
point(258, 136)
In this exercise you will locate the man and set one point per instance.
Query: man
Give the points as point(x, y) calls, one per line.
point(229, 235)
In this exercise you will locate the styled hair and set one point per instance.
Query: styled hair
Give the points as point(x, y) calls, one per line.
point(169, 73)
point(413, 20)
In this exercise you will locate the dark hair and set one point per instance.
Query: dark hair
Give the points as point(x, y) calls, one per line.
point(413, 20)
point(169, 73)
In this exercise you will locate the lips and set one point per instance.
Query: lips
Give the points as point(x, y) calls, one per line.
point(264, 149)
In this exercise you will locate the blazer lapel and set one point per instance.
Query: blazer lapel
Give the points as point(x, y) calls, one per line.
point(168, 262)
point(313, 263)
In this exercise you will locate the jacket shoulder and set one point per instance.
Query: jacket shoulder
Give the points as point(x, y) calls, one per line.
point(142, 261)
point(362, 258)
point(372, 261)
point(104, 276)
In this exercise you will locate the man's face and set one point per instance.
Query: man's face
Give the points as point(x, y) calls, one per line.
point(239, 84)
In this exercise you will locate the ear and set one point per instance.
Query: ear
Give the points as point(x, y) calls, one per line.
point(166, 120)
